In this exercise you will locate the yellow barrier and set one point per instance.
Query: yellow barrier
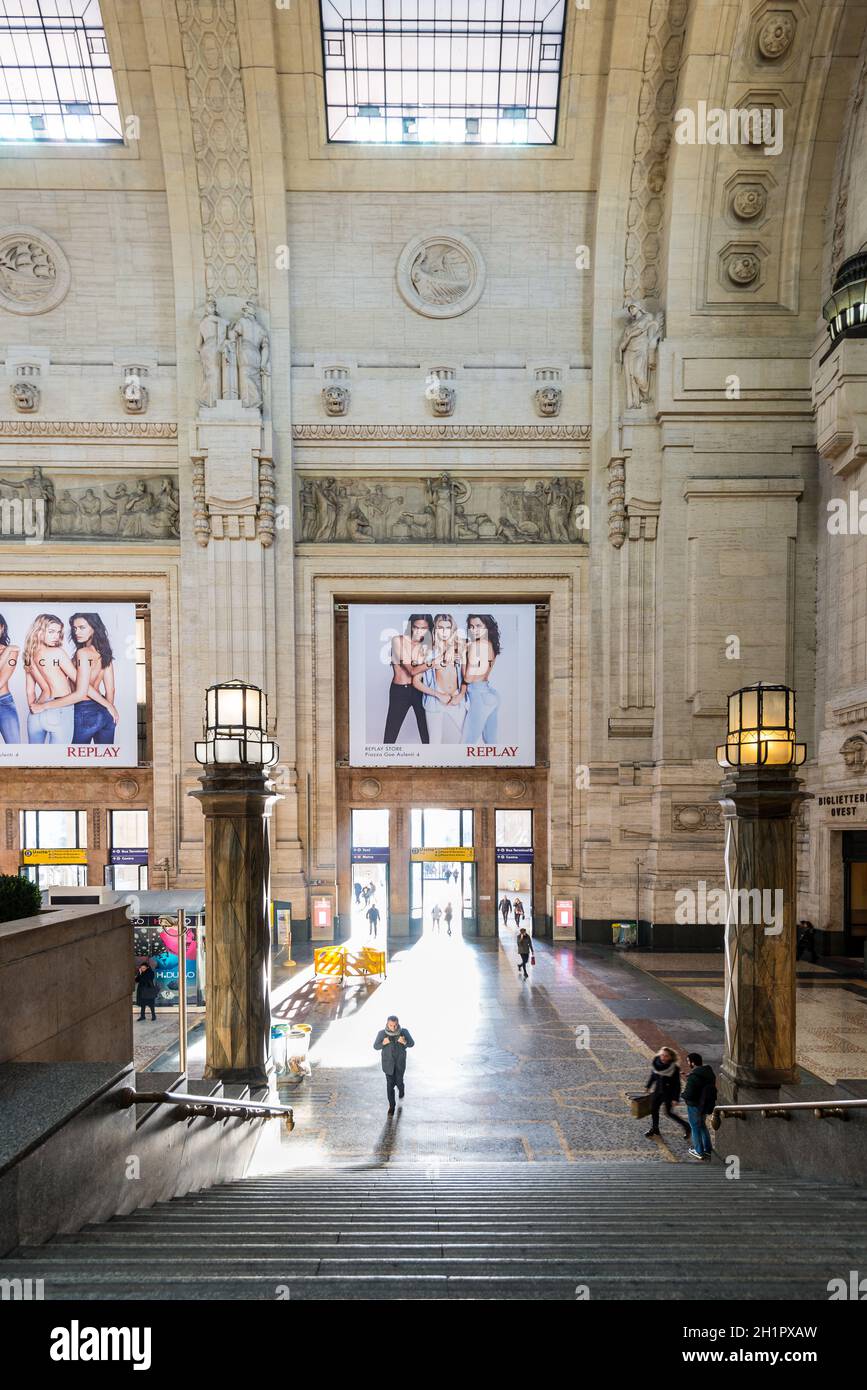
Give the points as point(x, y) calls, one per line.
point(367, 961)
point(329, 962)
point(335, 962)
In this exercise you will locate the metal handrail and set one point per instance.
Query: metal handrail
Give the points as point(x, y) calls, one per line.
point(187, 1106)
point(822, 1110)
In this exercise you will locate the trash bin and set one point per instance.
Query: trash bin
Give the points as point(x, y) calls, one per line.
point(290, 1045)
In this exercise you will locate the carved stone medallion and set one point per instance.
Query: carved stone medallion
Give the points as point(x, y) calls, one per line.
point(34, 273)
point(749, 202)
point(441, 274)
point(743, 269)
point(776, 35)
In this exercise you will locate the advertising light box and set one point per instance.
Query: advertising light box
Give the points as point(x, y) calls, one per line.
point(442, 685)
point(68, 684)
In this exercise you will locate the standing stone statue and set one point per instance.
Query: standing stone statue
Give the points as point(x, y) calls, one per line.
point(641, 337)
point(213, 346)
point(254, 354)
point(443, 493)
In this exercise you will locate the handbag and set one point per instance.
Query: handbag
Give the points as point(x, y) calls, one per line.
point(641, 1105)
point(532, 960)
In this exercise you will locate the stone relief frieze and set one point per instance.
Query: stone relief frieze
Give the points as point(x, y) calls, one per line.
point(656, 102)
point(209, 34)
point(34, 272)
point(430, 434)
point(441, 509)
point(90, 429)
point(441, 274)
point(62, 507)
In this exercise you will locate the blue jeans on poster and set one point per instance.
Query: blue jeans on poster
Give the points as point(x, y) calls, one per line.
point(700, 1134)
point(93, 723)
point(10, 729)
point(51, 725)
point(483, 703)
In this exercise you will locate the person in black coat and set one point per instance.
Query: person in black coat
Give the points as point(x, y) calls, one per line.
point(146, 990)
point(392, 1042)
point(664, 1086)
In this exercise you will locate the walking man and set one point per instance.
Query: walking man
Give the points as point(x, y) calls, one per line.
point(505, 906)
point(699, 1097)
point(436, 913)
point(391, 1042)
point(373, 919)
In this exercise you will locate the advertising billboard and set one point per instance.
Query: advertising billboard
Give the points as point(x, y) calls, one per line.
point(67, 684)
point(441, 684)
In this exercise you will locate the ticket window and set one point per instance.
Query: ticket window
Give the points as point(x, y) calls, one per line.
point(514, 849)
point(54, 830)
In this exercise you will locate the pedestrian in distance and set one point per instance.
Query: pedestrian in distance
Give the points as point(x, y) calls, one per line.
point(391, 1043)
point(357, 890)
point(146, 990)
point(505, 907)
point(664, 1086)
point(525, 951)
point(518, 910)
point(807, 942)
point(373, 918)
point(436, 913)
point(447, 918)
point(699, 1097)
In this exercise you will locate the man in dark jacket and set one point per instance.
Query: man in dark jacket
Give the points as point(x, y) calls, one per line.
point(392, 1042)
point(146, 990)
point(699, 1095)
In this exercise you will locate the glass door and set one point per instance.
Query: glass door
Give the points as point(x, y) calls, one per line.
point(442, 872)
point(369, 886)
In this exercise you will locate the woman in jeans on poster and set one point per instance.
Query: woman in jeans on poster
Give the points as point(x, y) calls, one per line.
point(10, 728)
point(483, 701)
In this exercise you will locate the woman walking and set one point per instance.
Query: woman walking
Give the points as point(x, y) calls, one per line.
point(664, 1086)
point(518, 910)
point(525, 951)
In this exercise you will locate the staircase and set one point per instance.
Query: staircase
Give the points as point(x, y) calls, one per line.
point(509, 1231)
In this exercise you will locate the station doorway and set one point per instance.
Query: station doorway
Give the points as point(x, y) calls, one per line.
point(854, 891)
point(442, 872)
point(369, 879)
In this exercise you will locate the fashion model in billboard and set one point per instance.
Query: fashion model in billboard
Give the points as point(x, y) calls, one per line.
point(438, 687)
point(10, 729)
point(63, 694)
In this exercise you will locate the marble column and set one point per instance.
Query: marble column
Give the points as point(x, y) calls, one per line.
point(237, 804)
point(760, 808)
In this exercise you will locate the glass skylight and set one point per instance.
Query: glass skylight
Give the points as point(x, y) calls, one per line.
point(56, 83)
point(478, 72)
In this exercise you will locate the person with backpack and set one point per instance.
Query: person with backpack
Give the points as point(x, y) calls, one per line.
point(525, 951)
point(699, 1097)
point(664, 1086)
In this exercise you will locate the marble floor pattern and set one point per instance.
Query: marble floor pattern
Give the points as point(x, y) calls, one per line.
point(495, 1074)
point(831, 1007)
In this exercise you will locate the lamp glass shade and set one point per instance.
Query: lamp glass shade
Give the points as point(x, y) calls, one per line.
point(230, 706)
point(761, 729)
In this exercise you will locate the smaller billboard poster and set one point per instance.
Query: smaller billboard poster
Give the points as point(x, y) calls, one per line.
point(68, 684)
point(433, 683)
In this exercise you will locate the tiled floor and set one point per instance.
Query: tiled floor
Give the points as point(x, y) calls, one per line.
point(495, 1073)
point(831, 1007)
